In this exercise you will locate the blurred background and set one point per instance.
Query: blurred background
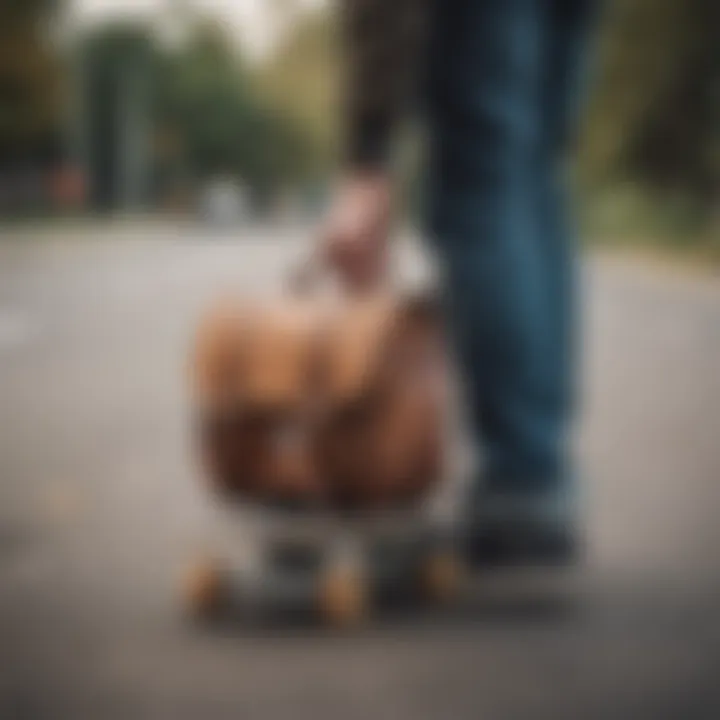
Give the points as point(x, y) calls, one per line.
point(170, 105)
point(154, 152)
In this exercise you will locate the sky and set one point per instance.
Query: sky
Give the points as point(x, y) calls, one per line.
point(257, 23)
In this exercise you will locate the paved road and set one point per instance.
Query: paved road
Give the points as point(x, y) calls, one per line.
point(99, 507)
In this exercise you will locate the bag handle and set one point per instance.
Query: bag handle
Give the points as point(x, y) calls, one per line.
point(312, 269)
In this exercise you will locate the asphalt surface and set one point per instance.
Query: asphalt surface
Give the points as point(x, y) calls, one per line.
point(100, 507)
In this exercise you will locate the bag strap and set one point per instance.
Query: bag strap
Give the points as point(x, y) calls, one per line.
point(306, 275)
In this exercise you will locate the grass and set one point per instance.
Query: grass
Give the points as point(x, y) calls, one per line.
point(627, 220)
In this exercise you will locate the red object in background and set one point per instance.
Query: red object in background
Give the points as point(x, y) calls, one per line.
point(67, 188)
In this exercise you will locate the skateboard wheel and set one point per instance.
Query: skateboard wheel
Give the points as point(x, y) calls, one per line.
point(203, 588)
point(440, 576)
point(342, 597)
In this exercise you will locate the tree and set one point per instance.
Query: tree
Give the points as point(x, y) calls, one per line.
point(655, 113)
point(209, 105)
point(301, 80)
point(117, 68)
point(30, 81)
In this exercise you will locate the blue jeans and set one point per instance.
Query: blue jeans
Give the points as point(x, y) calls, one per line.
point(503, 87)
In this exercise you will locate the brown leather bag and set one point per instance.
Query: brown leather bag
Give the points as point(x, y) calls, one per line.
point(315, 401)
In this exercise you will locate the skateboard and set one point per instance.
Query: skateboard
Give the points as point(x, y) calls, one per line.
point(339, 568)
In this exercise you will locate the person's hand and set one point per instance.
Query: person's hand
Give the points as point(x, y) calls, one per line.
point(355, 236)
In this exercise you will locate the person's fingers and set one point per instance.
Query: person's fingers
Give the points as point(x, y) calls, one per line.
point(359, 259)
point(353, 241)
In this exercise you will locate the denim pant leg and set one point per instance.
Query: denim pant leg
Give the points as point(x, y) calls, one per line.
point(492, 211)
point(563, 91)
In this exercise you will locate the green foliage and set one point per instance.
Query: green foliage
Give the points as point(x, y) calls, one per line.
point(654, 118)
point(30, 80)
point(114, 68)
point(202, 106)
point(301, 81)
point(628, 209)
point(209, 107)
